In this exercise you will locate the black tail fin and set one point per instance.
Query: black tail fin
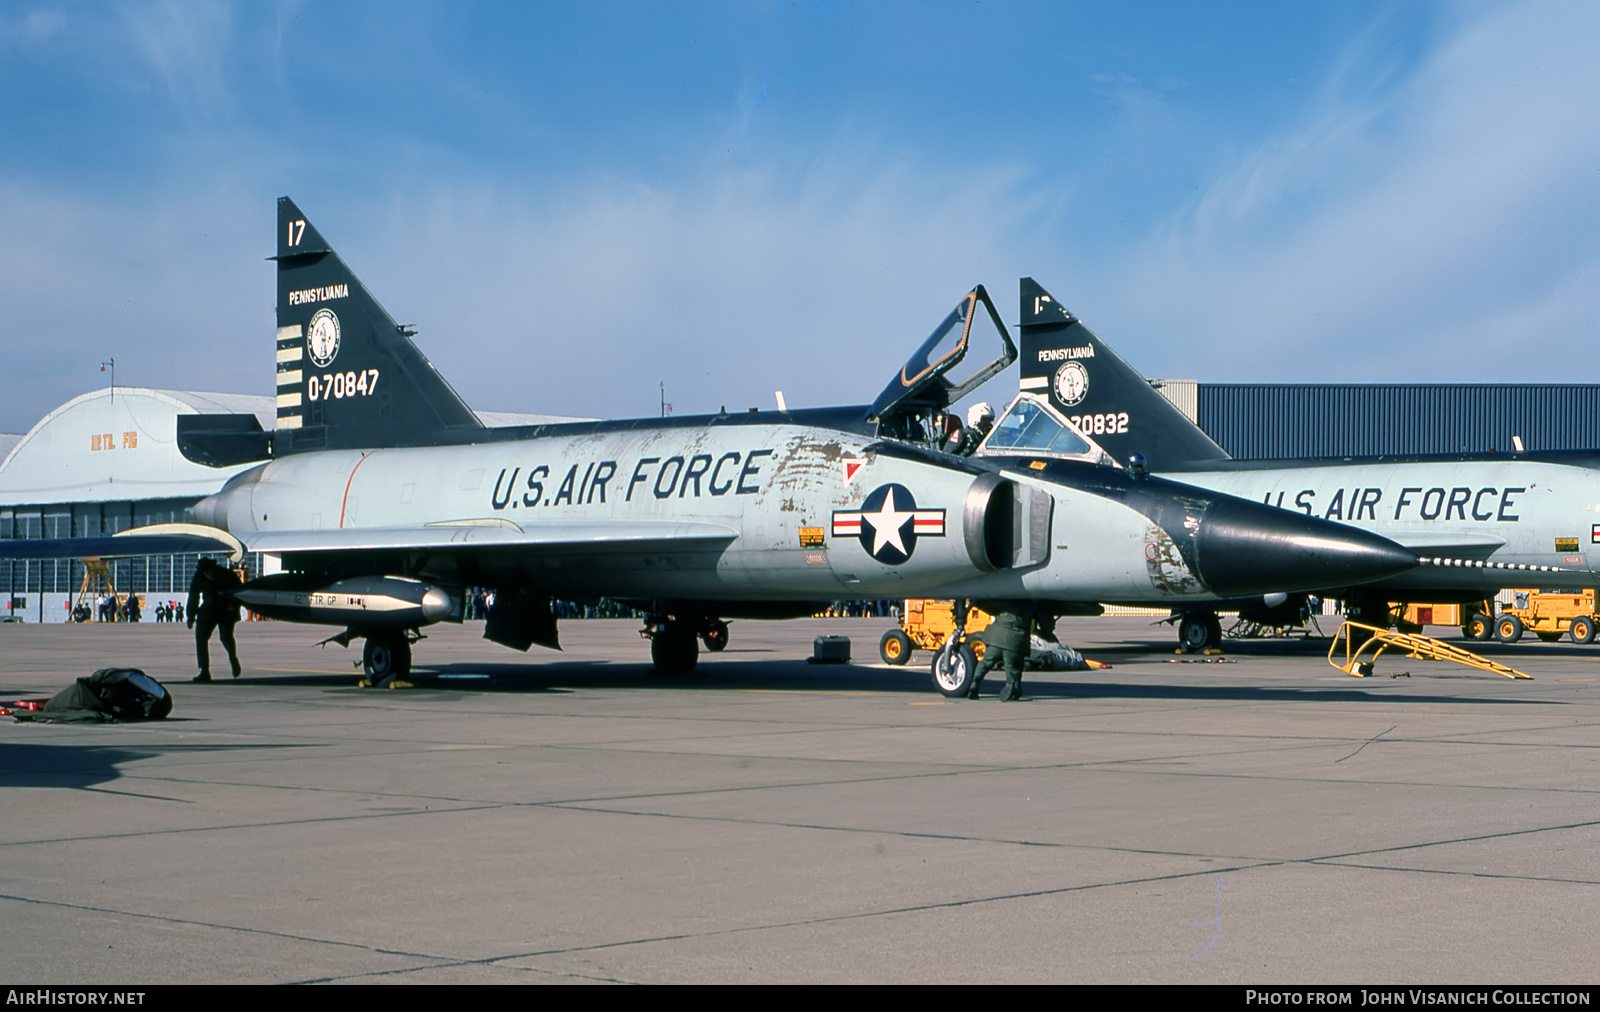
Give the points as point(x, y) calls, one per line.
point(1103, 395)
point(348, 375)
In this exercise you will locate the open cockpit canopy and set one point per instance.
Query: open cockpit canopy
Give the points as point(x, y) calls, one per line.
point(929, 381)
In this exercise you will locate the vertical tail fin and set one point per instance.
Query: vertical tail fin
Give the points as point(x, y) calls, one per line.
point(1102, 394)
point(348, 375)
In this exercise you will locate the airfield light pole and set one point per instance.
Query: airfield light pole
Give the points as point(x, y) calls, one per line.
point(112, 365)
point(665, 407)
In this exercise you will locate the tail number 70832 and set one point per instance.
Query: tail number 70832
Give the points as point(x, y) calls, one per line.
point(1097, 425)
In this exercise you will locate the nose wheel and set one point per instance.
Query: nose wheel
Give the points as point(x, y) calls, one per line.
point(954, 668)
point(1200, 631)
point(385, 657)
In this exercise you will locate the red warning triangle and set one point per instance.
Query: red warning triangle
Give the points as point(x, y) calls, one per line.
point(851, 467)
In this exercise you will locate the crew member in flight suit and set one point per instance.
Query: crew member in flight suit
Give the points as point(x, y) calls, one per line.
point(980, 419)
point(1006, 643)
point(209, 605)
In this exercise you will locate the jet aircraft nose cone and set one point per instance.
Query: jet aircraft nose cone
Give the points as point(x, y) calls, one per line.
point(1245, 548)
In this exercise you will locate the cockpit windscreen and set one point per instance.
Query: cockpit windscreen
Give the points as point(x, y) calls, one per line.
point(1029, 427)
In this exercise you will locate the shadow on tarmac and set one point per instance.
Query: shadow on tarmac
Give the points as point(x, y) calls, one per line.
point(912, 680)
point(78, 767)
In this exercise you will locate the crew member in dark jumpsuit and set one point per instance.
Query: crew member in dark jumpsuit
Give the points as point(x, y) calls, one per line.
point(1006, 644)
point(213, 610)
point(980, 419)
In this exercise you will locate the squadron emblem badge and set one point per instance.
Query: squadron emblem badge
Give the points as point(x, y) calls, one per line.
point(322, 337)
point(1072, 383)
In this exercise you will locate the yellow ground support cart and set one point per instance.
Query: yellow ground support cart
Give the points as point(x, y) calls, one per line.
point(1548, 614)
point(1475, 619)
point(925, 625)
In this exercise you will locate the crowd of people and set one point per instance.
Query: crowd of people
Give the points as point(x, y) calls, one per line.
point(111, 608)
point(115, 608)
point(477, 603)
point(862, 609)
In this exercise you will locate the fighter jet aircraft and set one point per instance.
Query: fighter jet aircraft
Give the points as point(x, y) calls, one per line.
point(1490, 520)
point(385, 498)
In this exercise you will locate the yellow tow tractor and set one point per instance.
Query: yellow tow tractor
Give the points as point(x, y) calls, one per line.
point(925, 625)
point(935, 625)
point(1548, 614)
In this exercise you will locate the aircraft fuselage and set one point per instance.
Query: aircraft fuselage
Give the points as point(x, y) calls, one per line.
point(745, 510)
point(1531, 522)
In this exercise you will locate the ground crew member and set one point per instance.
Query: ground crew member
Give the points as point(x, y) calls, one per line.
point(1006, 643)
point(213, 609)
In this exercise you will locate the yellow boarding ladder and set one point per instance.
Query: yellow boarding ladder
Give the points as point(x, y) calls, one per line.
point(97, 580)
point(1416, 646)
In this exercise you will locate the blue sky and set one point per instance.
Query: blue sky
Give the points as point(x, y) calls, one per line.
point(575, 203)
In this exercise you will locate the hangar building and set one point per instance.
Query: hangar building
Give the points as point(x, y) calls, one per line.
point(108, 461)
point(102, 463)
point(1278, 421)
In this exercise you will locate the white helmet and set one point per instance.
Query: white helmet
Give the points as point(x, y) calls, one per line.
point(978, 412)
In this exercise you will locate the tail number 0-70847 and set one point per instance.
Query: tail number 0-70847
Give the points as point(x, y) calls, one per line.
point(337, 385)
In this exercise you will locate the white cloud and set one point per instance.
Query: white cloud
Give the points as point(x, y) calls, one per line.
point(35, 29)
point(185, 46)
point(1401, 228)
point(727, 288)
point(572, 301)
point(174, 290)
point(1380, 235)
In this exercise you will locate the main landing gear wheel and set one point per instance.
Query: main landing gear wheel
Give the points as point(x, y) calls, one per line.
point(1199, 631)
point(895, 647)
point(1582, 630)
point(674, 649)
point(715, 636)
point(386, 656)
point(953, 670)
point(1508, 629)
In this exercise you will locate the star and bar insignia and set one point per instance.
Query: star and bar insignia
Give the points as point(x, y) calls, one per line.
point(889, 524)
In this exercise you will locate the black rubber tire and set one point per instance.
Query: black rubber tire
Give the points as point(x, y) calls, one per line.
point(953, 671)
point(895, 647)
point(1199, 631)
point(1508, 629)
point(386, 656)
point(1582, 630)
point(674, 650)
point(1478, 627)
point(716, 636)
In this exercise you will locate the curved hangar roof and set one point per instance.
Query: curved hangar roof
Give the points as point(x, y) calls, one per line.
point(118, 444)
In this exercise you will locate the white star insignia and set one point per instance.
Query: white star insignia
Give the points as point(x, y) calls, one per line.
point(886, 524)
